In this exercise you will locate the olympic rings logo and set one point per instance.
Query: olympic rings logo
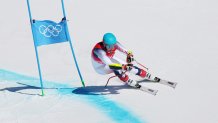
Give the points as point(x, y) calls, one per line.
point(50, 30)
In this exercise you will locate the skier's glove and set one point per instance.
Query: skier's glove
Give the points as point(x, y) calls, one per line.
point(127, 67)
point(129, 58)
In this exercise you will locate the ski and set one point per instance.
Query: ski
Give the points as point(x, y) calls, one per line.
point(168, 83)
point(161, 81)
point(148, 90)
point(136, 85)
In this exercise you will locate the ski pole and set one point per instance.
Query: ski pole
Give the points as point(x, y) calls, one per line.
point(109, 80)
point(112, 77)
point(141, 65)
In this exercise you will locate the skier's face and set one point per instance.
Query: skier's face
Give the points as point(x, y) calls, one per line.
point(109, 47)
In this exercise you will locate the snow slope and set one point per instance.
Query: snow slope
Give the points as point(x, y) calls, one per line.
point(177, 40)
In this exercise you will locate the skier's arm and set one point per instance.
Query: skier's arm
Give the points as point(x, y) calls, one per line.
point(114, 66)
point(121, 48)
point(126, 52)
point(102, 55)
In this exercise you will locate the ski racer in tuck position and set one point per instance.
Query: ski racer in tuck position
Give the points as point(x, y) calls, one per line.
point(104, 62)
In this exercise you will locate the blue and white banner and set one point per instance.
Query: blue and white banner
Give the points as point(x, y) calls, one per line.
point(48, 32)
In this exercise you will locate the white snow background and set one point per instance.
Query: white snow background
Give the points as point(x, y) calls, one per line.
point(176, 39)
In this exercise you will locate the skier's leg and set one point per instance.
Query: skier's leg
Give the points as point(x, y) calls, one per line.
point(135, 70)
point(125, 78)
point(122, 76)
point(141, 72)
point(101, 68)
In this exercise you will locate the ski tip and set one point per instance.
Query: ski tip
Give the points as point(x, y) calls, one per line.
point(175, 84)
point(171, 84)
point(154, 92)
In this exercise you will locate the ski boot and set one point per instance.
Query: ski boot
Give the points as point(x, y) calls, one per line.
point(133, 83)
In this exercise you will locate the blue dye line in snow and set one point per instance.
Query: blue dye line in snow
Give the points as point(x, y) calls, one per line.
point(116, 112)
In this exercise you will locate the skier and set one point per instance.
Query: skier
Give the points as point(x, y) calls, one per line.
point(104, 61)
